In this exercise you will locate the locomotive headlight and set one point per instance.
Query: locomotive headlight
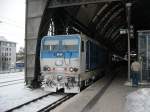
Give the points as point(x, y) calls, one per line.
point(49, 69)
point(59, 77)
point(71, 69)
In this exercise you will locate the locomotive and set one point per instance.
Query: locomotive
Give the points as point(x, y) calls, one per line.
point(70, 62)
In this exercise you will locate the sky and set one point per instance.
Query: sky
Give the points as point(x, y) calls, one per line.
point(12, 21)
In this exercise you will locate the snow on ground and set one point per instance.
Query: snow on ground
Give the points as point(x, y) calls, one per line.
point(11, 75)
point(11, 78)
point(35, 106)
point(138, 101)
point(13, 95)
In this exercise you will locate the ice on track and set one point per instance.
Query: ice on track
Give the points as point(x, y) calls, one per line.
point(13, 95)
point(138, 101)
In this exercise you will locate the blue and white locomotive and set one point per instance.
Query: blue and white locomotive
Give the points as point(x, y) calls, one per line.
point(70, 62)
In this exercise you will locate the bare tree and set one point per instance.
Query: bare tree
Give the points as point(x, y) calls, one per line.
point(20, 54)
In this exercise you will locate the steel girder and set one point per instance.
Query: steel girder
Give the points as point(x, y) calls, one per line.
point(114, 11)
point(99, 13)
point(112, 30)
point(109, 25)
point(65, 3)
point(107, 15)
point(114, 35)
point(115, 24)
point(114, 16)
point(76, 23)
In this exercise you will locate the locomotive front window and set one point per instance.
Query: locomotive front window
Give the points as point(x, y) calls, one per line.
point(51, 45)
point(70, 44)
point(46, 47)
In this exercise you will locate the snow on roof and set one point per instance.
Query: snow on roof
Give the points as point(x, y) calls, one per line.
point(2, 38)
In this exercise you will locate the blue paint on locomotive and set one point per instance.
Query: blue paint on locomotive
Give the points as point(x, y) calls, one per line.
point(65, 54)
point(95, 56)
point(60, 51)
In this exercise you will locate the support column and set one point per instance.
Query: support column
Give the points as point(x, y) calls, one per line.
point(128, 8)
point(34, 13)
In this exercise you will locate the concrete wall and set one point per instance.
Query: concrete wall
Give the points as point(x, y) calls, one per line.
point(34, 13)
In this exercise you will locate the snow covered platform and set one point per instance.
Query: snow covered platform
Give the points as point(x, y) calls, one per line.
point(16, 94)
point(97, 99)
point(138, 101)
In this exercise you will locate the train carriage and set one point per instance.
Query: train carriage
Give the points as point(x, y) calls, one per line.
point(70, 62)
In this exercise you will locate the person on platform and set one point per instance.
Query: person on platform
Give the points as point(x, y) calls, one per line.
point(135, 75)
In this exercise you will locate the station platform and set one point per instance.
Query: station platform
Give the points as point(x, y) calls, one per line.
point(105, 95)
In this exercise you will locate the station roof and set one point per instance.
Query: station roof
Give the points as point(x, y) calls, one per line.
point(103, 19)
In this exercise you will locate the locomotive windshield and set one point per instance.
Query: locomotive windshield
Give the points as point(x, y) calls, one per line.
point(61, 44)
point(70, 44)
point(51, 45)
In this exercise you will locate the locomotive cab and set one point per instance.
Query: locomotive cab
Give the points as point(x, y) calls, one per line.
point(60, 63)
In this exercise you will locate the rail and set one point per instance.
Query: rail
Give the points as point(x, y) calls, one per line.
point(46, 108)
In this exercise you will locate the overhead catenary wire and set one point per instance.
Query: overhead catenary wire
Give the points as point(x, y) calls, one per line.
point(11, 22)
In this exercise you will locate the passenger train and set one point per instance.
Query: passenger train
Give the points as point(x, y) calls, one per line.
point(70, 62)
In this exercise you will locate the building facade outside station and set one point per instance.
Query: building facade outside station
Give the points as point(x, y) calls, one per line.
point(7, 55)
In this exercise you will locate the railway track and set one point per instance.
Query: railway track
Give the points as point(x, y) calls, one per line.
point(56, 103)
point(11, 82)
point(44, 103)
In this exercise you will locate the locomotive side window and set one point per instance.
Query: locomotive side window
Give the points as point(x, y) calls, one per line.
point(51, 45)
point(70, 44)
point(82, 46)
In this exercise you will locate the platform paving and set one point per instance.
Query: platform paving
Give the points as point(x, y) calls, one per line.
point(112, 100)
point(80, 101)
